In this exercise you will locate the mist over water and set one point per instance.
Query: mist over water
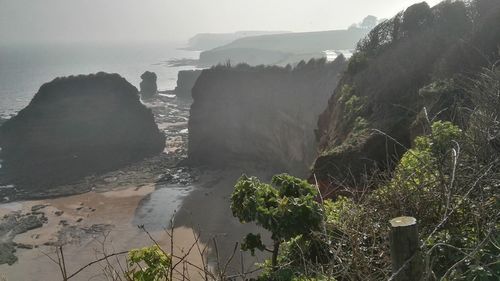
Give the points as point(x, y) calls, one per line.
point(24, 68)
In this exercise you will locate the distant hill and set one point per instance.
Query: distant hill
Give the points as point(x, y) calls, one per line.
point(303, 42)
point(207, 41)
point(282, 49)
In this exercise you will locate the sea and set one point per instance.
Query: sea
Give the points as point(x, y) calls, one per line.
point(24, 68)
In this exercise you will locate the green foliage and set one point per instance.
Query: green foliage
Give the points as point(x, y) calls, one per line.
point(483, 131)
point(252, 242)
point(288, 272)
point(357, 62)
point(148, 264)
point(269, 273)
point(419, 175)
point(353, 107)
point(345, 93)
point(437, 88)
point(443, 135)
point(428, 183)
point(335, 210)
point(289, 186)
point(416, 18)
point(450, 178)
point(287, 209)
point(358, 135)
point(360, 124)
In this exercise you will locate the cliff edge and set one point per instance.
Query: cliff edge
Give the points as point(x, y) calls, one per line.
point(264, 114)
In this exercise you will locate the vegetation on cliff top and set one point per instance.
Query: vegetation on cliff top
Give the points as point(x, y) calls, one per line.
point(412, 130)
point(446, 181)
point(418, 80)
point(417, 59)
point(284, 48)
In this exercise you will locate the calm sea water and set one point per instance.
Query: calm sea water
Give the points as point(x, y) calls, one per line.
point(23, 69)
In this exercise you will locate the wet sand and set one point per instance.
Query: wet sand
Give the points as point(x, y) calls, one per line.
point(207, 210)
point(115, 208)
point(121, 200)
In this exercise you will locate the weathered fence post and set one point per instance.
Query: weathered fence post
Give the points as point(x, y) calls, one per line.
point(407, 263)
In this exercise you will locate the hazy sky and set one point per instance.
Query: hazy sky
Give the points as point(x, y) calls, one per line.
point(176, 20)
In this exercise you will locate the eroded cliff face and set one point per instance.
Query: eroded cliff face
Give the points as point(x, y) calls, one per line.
point(407, 70)
point(77, 126)
point(260, 115)
point(185, 83)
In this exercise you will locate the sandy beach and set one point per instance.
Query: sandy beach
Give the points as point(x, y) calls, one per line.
point(98, 222)
point(207, 209)
point(113, 210)
point(101, 214)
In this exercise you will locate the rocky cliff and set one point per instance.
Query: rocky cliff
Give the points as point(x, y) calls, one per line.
point(407, 70)
point(245, 114)
point(185, 82)
point(74, 127)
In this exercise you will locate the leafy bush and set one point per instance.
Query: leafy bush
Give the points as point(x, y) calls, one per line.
point(287, 209)
point(451, 194)
point(148, 264)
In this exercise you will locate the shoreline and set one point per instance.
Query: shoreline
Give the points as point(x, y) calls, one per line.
point(94, 222)
point(171, 116)
point(107, 205)
point(111, 206)
point(82, 221)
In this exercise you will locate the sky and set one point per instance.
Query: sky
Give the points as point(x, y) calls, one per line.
point(42, 21)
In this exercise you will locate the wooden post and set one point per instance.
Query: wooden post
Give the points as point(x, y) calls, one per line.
point(407, 263)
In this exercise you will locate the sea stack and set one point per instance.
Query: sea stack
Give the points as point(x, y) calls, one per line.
point(149, 89)
point(74, 127)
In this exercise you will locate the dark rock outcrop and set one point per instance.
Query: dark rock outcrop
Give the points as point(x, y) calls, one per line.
point(149, 89)
point(74, 127)
point(261, 115)
point(11, 225)
point(415, 60)
point(185, 82)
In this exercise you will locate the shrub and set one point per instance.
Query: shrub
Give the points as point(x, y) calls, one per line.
point(287, 209)
point(148, 264)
